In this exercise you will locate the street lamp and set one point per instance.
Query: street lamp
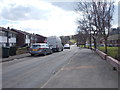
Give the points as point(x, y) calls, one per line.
point(7, 44)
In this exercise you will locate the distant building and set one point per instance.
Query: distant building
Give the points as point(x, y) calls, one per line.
point(7, 37)
point(33, 39)
point(40, 38)
point(114, 37)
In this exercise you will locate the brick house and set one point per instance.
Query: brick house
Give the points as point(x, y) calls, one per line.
point(23, 38)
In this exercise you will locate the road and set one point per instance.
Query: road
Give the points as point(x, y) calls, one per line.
point(59, 70)
point(33, 72)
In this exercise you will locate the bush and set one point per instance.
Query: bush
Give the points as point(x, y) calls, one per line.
point(12, 51)
point(21, 50)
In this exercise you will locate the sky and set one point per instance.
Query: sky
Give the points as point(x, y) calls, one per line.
point(44, 17)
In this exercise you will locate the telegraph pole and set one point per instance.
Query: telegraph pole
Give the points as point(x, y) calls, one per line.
point(7, 44)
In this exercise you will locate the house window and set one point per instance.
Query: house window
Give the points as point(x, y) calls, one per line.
point(10, 34)
point(13, 35)
point(5, 33)
point(1, 33)
point(26, 36)
point(29, 37)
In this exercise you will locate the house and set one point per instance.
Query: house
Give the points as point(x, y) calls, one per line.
point(27, 39)
point(23, 38)
point(7, 37)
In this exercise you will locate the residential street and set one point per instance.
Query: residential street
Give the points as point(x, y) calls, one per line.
point(72, 68)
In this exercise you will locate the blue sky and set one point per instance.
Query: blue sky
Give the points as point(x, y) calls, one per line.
point(44, 17)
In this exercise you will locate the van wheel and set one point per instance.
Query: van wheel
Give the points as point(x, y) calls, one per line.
point(58, 50)
point(51, 52)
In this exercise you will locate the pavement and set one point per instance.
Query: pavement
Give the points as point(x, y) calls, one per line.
point(85, 70)
point(14, 57)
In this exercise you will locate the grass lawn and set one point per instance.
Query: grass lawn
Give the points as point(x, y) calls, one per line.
point(73, 41)
point(112, 51)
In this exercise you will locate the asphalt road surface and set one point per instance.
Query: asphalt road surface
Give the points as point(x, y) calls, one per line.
point(54, 70)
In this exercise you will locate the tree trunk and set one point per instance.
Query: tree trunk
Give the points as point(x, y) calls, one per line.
point(90, 41)
point(94, 43)
point(106, 45)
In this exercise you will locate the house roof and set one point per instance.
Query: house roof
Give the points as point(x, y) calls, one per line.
point(40, 35)
point(4, 29)
point(19, 31)
point(22, 32)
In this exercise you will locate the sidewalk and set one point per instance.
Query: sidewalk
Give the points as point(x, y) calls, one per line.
point(14, 57)
point(85, 70)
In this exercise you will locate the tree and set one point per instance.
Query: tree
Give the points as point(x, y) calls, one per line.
point(98, 15)
point(82, 32)
point(103, 13)
point(65, 39)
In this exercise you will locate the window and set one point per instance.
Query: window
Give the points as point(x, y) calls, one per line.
point(10, 34)
point(29, 36)
point(5, 33)
point(14, 35)
point(1, 33)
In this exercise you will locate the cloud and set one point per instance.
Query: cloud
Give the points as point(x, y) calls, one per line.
point(38, 16)
point(35, 16)
point(24, 9)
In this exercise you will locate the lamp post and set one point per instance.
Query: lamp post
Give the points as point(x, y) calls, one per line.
point(7, 44)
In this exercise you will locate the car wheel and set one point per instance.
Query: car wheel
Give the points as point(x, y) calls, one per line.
point(45, 53)
point(32, 54)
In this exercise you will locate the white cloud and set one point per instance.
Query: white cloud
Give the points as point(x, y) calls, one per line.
point(38, 17)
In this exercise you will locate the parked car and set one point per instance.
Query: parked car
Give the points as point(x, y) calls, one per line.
point(66, 46)
point(40, 48)
point(55, 43)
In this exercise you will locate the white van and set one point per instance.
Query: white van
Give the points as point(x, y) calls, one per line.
point(55, 43)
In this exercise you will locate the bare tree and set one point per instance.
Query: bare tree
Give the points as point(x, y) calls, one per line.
point(98, 15)
point(103, 12)
point(82, 32)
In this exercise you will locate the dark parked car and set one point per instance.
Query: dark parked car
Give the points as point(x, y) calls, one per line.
point(40, 48)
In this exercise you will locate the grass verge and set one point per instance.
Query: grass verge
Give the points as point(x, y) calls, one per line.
point(112, 51)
